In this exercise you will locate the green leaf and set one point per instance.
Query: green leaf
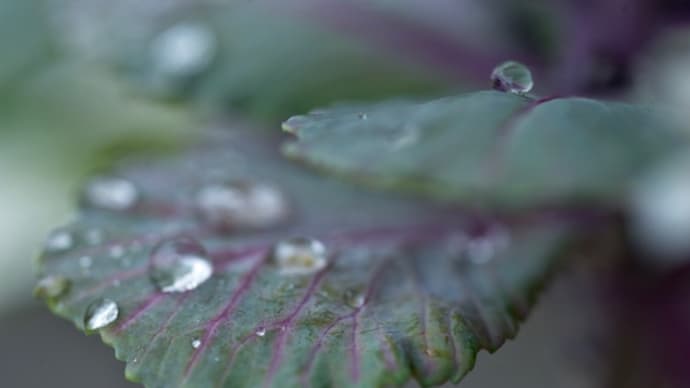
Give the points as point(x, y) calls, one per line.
point(408, 290)
point(488, 148)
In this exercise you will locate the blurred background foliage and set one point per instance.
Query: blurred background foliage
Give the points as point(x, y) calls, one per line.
point(84, 82)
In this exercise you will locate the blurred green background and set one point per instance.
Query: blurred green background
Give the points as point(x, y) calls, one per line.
point(86, 82)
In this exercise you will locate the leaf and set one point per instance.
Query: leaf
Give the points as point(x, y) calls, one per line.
point(488, 148)
point(410, 289)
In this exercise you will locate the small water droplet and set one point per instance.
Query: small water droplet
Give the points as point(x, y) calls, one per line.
point(241, 205)
point(261, 331)
point(196, 343)
point(111, 193)
point(363, 116)
point(179, 265)
point(294, 123)
point(85, 262)
point(300, 255)
point(354, 298)
point(100, 314)
point(59, 241)
point(512, 77)
point(183, 50)
point(482, 249)
point(94, 236)
point(52, 286)
point(660, 213)
point(116, 251)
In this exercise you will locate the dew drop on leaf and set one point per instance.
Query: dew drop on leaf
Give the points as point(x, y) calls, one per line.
point(94, 236)
point(354, 298)
point(111, 193)
point(660, 211)
point(241, 204)
point(196, 343)
point(100, 314)
point(59, 241)
point(512, 77)
point(179, 265)
point(300, 255)
point(362, 116)
point(85, 262)
point(183, 50)
point(261, 331)
point(52, 286)
point(116, 251)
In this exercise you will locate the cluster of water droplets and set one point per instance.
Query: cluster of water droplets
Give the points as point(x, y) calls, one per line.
point(241, 205)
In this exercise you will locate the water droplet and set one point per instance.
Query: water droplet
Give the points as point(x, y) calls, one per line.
point(512, 77)
point(660, 212)
point(196, 343)
point(52, 286)
point(294, 123)
point(100, 314)
point(363, 116)
point(111, 193)
point(116, 251)
point(179, 265)
point(59, 241)
point(94, 236)
point(85, 262)
point(241, 205)
point(482, 249)
point(183, 50)
point(354, 298)
point(261, 331)
point(300, 255)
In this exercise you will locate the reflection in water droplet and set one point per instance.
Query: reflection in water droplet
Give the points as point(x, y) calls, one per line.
point(299, 255)
point(52, 286)
point(183, 50)
point(111, 193)
point(196, 343)
point(59, 241)
point(241, 205)
point(179, 265)
point(261, 331)
point(100, 314)
point(512, 77)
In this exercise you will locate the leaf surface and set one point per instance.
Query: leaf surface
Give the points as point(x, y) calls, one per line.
point(488, 148)
point(410, 290)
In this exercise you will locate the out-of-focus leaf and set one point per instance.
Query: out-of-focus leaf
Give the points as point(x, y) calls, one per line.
point(408, 289)
point(489, 148)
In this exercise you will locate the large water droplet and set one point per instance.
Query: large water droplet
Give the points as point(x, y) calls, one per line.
point(183, 50)
point(179, 265)
point(299, 255)
point(660, 212)
point(241, 205)
point(100, 314)
point(512, 77)
point(59, 241)
point(111, 193)
point(52, 286)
